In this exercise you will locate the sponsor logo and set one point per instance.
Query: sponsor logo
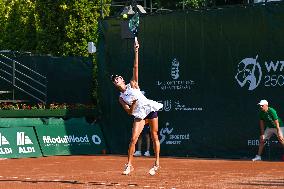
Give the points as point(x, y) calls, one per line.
point(169, 137)
point(175, 69)
point(22, 140)
point(96, 139)
point(251, 74)
point(175, 84)
point(6, 151)
point(66, 139)
point(4, 141)
point(255, 142)
point(170, 105)
point(26, 150)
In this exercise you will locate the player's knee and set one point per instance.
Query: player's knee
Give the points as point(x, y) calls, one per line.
point(155, 136)
point(133, 140)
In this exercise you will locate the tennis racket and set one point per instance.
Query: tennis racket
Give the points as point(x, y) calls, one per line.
point(133, 25)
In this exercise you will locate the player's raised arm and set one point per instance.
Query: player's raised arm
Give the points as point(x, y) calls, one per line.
point(135, 63)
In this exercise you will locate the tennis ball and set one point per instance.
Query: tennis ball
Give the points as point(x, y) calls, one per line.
point(124, 16)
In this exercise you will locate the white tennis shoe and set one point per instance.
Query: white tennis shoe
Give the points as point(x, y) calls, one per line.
point(154, 170)
point(147, 153)
point(257, 158)
point(128, 168)
point(137, 153)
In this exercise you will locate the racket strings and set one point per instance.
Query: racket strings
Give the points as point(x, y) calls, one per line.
point(134, 23)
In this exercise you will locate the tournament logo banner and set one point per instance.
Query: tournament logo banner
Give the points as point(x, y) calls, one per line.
point(175, 84)
point(177, 101)
point(251, 73)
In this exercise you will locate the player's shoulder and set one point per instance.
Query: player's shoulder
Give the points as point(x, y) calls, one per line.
point(134, 84)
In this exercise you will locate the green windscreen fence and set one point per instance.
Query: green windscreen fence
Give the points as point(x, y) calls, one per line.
point(209, 68)
point(68, 79)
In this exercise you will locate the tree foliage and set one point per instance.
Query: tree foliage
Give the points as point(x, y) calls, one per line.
point(60, 28)
point(17, 25)
point(63, 27)
point(179, 4)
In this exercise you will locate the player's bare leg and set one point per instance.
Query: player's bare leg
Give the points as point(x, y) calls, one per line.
point(138, 126)
point(139, 146)
point(156, 144)
point(148, 141)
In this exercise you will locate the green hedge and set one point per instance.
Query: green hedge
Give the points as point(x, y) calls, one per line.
point(48, 113)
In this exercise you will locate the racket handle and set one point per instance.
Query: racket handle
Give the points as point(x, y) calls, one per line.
point(136, 40)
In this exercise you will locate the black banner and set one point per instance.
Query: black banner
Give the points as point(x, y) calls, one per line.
point(209, 68)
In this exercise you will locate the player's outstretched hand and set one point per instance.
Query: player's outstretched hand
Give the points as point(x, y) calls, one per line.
point(136, 46)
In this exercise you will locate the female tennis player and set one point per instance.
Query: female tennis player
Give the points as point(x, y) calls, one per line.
point(141, 108)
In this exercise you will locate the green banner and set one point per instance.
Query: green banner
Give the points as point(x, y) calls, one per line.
point(71, 140)
point(18, 142)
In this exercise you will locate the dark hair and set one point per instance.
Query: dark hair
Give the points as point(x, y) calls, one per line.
point(112, 77)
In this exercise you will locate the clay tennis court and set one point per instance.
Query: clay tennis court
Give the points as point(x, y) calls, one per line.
point(105, 172)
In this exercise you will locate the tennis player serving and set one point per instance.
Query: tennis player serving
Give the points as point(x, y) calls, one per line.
point(141, 108)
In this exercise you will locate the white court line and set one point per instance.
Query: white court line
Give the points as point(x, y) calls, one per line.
point(131, 185)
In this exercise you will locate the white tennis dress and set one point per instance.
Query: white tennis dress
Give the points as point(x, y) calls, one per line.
point(144, 105)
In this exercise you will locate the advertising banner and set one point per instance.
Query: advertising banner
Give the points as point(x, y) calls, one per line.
point(209, 68)
point(70, 140)
point(18, 143)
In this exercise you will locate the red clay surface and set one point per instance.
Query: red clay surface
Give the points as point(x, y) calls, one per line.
point(105, 172)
